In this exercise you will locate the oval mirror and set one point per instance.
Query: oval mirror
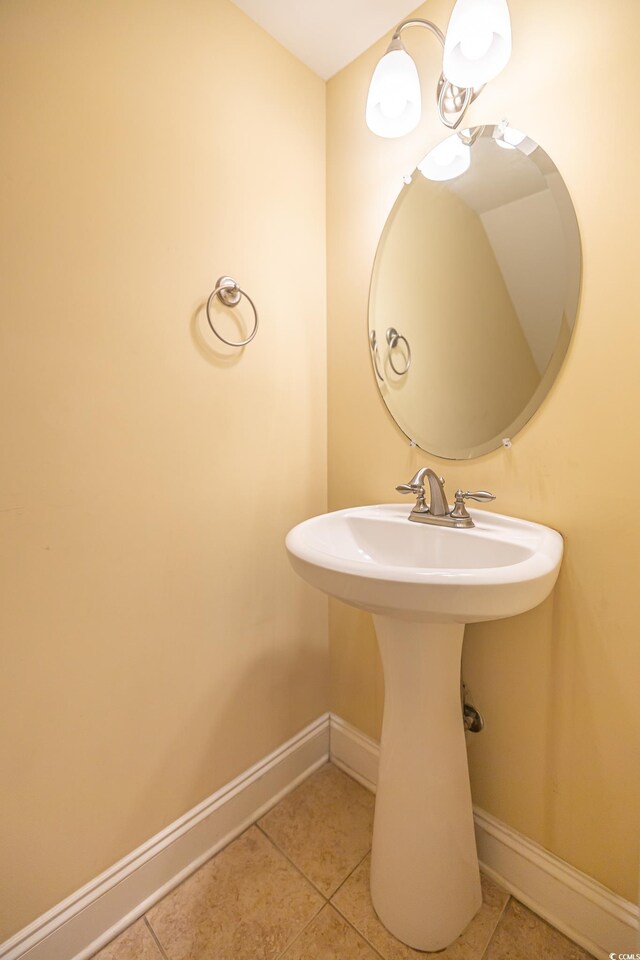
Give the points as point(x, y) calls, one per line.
point(474, 292)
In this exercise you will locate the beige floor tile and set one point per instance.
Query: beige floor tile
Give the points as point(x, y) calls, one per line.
point(521, 935)
point(354, 902)
point(324, 827)
point(136, 943)
point(247, 903)
point(329, 937)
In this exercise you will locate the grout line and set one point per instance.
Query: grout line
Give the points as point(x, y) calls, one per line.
point(359, 932)
point(329, 906)
point(351, 872)
point(153, 934)
point(147, 921)
point(485, 952)
point(328, 900)
point(293, 864)
point(302, 873)
point(363, 935)
point(283, 955)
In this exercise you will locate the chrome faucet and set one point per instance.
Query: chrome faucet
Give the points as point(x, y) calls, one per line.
point(438, 510)
point(438, 507)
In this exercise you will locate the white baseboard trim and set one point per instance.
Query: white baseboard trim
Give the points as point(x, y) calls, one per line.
point(83, 923)
point(586, 911)
point(354, 752)
point(75, 929)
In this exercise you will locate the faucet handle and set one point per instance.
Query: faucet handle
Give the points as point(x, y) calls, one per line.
point(459, 511)
point(410, 488)
point(482, 496)
point(416, 487)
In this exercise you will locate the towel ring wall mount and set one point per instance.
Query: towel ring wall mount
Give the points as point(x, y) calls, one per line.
point(230, 294)
point(373, 341)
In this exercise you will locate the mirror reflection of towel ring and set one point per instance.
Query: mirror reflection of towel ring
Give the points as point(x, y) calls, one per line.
point(393, 339)
point(373, 340)
point(229, 293)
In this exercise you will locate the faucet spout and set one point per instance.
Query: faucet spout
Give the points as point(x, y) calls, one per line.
point(438, 506)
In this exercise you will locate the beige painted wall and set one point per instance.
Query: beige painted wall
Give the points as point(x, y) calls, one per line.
point(558, 687)
point(155, 642)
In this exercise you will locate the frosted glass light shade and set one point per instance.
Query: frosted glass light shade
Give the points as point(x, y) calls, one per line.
point(450, 159)
point(394, 102)
point(478, 42)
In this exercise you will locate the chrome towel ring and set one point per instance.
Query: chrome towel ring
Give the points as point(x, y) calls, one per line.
point(229, 293)
point(393, 339)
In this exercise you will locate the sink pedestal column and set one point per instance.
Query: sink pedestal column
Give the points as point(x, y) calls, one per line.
point(425, 883)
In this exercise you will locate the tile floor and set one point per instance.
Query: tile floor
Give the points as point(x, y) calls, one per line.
point(295, 886)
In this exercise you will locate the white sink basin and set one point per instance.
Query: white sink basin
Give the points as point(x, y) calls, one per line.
point(422, 583)
point(374, 558)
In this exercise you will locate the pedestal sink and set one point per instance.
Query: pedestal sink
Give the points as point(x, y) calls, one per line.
point(422, 583)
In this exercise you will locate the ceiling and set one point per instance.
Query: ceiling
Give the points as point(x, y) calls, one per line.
point(327, 34)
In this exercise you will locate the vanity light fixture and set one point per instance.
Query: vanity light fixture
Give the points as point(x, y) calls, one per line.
point(478, 42)
point(476, 48)
point(394, 102)
point(447, 160)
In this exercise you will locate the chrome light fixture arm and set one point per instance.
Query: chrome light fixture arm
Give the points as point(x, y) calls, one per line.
point(416, 22)
point(476, 47)
point(450, 99)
